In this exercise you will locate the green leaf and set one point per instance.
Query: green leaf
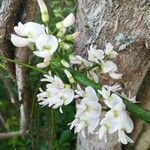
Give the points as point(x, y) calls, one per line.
point(65, 136)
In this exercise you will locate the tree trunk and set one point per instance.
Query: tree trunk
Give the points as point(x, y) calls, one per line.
point(126, 24)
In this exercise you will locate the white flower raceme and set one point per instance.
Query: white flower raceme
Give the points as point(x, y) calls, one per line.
point(44, 11)
point(56, 94)
point(67, 22)
point(46, 45)
point(111, 68)
point(27, 33)
point(95, 55)
point(117, 120)
point(109, 51)
point(88, 111)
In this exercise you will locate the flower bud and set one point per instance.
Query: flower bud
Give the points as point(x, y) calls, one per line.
point(44, 11)
point(72, 37)
point(69, 20)
point(64, 45)
point(65, 63)
point(69, 76)
point(61, 32)
point(59, 25)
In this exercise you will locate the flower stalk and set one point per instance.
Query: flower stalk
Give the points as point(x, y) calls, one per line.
point(134, 109)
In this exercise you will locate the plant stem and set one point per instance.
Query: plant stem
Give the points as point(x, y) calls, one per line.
point(22, 64)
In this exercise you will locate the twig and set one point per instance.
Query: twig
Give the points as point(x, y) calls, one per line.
point(10, 134)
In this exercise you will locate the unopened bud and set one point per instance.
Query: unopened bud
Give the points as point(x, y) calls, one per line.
point(69, 20)
point(69, 76)
point(65, 63)
point(61, 32)
point(72, 37)
point(59, 25)
point(64, 45)
point(44, 11)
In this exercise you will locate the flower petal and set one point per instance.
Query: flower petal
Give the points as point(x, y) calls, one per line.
point(19, 41)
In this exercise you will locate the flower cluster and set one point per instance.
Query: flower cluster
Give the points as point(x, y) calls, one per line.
point(99, 62)
point(88, 111)
point(57, 93)
point(31, 33)
point(116, 119)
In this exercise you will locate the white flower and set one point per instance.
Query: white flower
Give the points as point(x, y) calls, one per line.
point(110, 100)
point(111, 68)
point(95, 55)
point(109, 51)
point(47, 45)
point(103, 131)
point(89, 93)
point(113, 100)
point(105, 93)
point(57, 93)
point(123, 138)
point(44, 11)
point(88, 111)
point(113, 88)
point(116, 120)
point(91, 109)
point(92, 75)
point(79, 60)
point(83, 122)
point(75, 59)
point(121, 122)
point(27, 33)
point(132, 99)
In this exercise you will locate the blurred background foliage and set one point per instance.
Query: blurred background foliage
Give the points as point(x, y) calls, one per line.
point(48, 128)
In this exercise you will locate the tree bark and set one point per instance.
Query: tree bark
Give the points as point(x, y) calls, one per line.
point(22, 73)
point(11, 12)
point(126, 24)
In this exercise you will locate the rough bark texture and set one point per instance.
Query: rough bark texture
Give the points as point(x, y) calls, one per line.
point(22, 54)
point(126, 24)
point(9, 13)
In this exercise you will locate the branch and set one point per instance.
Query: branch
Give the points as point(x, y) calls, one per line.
point(10, 134)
